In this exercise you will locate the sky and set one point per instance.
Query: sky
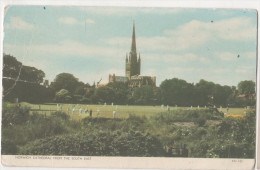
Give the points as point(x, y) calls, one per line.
point(217, 45)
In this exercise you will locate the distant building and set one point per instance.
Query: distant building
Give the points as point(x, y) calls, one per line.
point(138, 81)
point(88, 88)
point(114, 78)
point(133, 69)
point(46, 83)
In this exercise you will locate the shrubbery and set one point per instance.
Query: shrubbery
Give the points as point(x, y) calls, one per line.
point(233, 138)
point(57, 134)
point(97, 143)
point(14, 115)
point(197, 116)
point(8, 147)
point(19, 127)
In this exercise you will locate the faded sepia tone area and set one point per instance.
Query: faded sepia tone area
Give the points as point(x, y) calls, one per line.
point(129, 82)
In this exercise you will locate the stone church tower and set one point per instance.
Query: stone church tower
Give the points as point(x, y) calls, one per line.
point(132, 64)
point(132, 69)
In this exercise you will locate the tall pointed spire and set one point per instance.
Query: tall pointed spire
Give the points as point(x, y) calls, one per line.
point(133, 46)
point(126, 58)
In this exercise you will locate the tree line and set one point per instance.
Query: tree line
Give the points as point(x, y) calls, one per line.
point(27, 84)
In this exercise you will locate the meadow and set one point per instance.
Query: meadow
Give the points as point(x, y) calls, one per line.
point(122, 111)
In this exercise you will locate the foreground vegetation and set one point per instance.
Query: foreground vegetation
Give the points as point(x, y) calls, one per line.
point(201, 133)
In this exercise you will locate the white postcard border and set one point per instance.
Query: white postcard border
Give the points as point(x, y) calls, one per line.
point(136, 162)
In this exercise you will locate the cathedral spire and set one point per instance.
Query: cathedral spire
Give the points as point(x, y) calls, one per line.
point(133, 46)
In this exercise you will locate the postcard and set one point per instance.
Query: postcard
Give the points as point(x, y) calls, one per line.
point(129, 87)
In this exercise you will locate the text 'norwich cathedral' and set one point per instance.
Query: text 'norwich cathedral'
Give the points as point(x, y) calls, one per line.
point(133, 69)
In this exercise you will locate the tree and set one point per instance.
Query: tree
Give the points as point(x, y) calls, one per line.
point(63, 95)
point(247, 88)
point(65, 81)
point(16, 70)
point(204, 92)
point(23, 82)
point(176, 91)
point(121, 91)
point(80, 89)
point(144, 95)
point(105, 94)
point(32, 74)
point(221, 94)
point(11, 66)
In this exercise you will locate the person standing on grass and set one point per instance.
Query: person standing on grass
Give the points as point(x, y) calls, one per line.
point(73, 110)
point(86, 111)
point(58, 107)
point(90, 113)
point(80, 112)
point(98, 112)
point(114, 114)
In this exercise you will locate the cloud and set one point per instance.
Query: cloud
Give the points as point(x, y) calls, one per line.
point(238, 28)
point(18, 23)
point(194, 74)
point(246, 69)
point(245, 72)
point(249, 55)
point(194, 34)
point(67, 48)
point(176, 72)
point(90, 21)
point(170, 57)
point(68, 20)
point(227, 56)
point(71, 21)
point(104, 74)
point(150, 43)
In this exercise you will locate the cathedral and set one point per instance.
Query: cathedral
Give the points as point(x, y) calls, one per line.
point(133, 69)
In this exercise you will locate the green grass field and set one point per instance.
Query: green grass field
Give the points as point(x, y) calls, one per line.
point(122, 111)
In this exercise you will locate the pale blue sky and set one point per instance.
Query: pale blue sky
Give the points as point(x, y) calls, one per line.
point(91, 42)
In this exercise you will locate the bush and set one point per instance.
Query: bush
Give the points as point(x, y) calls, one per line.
point(14, 115)
point(97, 143)
point(60, 115)
point(8, 147)
point(35, 126)
point(189, 116)
point(201, 121)
point(232, 138)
